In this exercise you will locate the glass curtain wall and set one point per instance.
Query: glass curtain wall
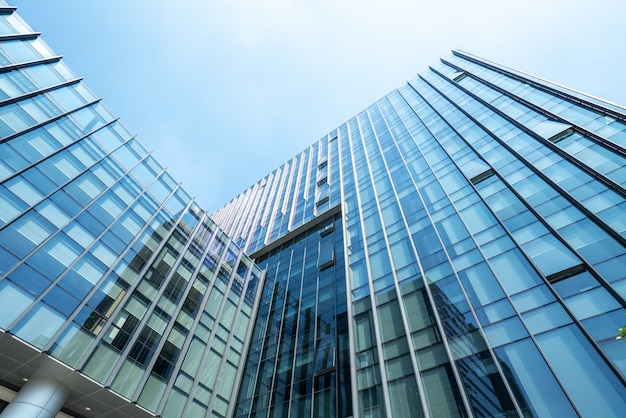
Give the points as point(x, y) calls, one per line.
point(105, 262)
point(483, 214)
point(299, 362)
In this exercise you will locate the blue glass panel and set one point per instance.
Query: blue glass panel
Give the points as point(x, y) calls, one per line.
point(75, 284)
point(550, 255)
point(505, 331)
point(29, 279)
point(614, 350)
point(7, 260)
point(426, 242)
point(591, 303)
point(497, 246)
point(11, 158)
point(10, 205)
point(545, 318)
point(65, 202)
point(39, 325)
point(591, 242)
point(477, 218)
point(593, 387)
point(55, 255)
point(23, 235)
point(484, 386)
point(451, 230)
point(529, 375)
point(613, 270)
point(13, 301)
point(575, 284)
point(533, 298)
point(605, 326)
point(380, 264)
point(480, 285)
point(449, 297)
point(495, 312)
point(514, 272)
point(434, 262)
point(61, 300)
point(92, 224)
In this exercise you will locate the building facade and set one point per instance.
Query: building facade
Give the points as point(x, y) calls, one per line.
point(115, 286)
point(483, 232)
point(457, 249)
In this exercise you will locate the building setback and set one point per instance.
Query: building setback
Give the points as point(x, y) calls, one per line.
point(457, 249)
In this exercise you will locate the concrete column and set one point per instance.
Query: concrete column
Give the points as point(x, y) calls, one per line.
point(41, 397)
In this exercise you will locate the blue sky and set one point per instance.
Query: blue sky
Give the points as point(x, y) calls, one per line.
point(223, 92)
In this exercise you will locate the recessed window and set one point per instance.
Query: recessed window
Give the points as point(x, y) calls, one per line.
point(327, 230)
point(564, 274)
point(459, 76)
point(322, 201)
point(482, 176)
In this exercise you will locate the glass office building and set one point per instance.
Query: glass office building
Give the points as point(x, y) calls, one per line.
point(483, 232)
point(119, 296)
point(458, 248)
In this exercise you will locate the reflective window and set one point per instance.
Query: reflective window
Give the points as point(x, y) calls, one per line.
point(514, 272)
point(544, 397)
point(593, 387)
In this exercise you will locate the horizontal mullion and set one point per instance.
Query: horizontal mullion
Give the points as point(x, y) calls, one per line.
point(17, 66)
point(19, 36)
point(38, 92)
point(46, 122)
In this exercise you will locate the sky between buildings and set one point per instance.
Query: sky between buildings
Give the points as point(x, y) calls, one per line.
point(223, 92)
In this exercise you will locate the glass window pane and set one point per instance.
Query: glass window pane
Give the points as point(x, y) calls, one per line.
point(545, 318)
point(24, 190)
point(480, 285)
point(25, 234)
point(10, 206)
point(128, 378)
point(594, 388)
point(13, 301)
point(514, 272)
point(543, 396)
point(591, 303)
point(550, 255)
point(405, 398)
point(505, 331)
point(39, 325)
point(70, 347)
point(442, 393)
